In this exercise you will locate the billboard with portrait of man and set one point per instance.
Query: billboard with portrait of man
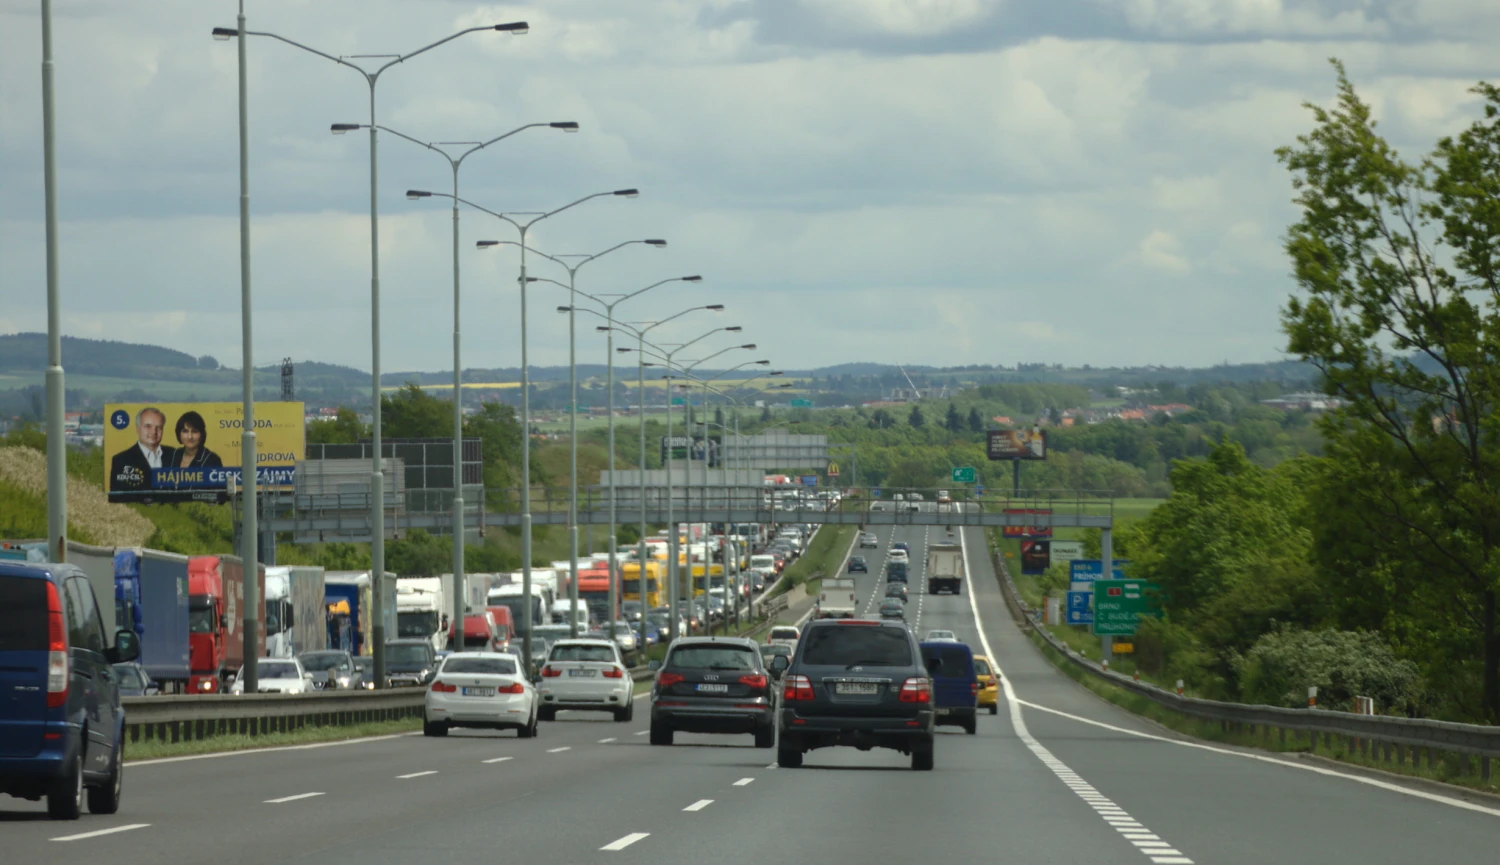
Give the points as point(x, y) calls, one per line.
point(172, 452)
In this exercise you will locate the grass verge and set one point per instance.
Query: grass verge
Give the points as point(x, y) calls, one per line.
point(1446, 768)
point(307, 735)
point(823, 557)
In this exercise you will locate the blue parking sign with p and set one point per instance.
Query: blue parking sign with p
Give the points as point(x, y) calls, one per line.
point(1080, 608)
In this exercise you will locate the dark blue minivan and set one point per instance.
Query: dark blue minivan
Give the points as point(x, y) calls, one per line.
point(61, 724)
point(955, 687)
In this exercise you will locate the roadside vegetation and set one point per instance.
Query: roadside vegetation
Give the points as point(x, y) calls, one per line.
point(156, 748)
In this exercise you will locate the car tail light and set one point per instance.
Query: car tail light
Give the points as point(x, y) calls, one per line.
point(443, 687)
point(973, 688)
point(797, 688)
point(917, 689)
point(57, 650)
point(614, 673)
point(551, 672)
point(667, 680)
point(512, 688)
point(755, 680)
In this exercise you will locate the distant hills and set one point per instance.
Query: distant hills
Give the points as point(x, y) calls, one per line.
point(107, 370)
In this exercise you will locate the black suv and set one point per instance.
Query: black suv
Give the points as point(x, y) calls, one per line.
point(855, 682)
point(713, 685)
point(409, 661)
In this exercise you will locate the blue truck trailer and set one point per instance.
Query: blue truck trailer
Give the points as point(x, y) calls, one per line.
point(151, 599)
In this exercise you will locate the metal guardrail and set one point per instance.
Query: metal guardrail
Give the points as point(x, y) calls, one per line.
point(177, 718)
point(1388, 737)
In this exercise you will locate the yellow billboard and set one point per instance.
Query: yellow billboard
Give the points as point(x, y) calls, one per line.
point(180, 451)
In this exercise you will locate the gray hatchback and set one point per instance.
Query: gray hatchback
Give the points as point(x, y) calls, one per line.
point(713, 685)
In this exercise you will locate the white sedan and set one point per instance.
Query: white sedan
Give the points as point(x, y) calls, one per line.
point(275, 676)
point(480, 689)
point(589, 675)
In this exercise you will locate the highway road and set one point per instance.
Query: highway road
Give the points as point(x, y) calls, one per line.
point(1057, 777)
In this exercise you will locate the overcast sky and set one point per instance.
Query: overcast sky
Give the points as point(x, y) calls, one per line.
point(919, 181)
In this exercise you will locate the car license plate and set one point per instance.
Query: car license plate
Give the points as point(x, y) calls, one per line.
point(479, 692)
point(713, 689)
point(584, 673)
point(945, 711)
point(855, 688)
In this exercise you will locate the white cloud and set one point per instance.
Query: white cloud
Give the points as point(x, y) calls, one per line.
point(1163, 251)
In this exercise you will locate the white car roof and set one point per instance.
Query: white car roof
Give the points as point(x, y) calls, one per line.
point(583, 641)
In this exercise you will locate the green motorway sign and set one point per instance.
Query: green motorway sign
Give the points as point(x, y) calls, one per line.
point(802, 403)
point(964, 475)
point(1119, 605)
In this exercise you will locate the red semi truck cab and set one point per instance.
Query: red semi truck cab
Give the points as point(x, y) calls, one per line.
point(216, 597)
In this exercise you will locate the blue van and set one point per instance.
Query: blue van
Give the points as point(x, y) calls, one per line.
point(955, 686)
point(61, 725)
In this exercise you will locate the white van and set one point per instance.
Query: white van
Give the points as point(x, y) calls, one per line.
point(560, 610)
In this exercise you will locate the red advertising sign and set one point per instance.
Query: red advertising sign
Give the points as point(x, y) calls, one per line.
point(1031, 531)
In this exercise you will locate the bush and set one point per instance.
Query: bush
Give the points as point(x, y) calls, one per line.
point(1281, 666)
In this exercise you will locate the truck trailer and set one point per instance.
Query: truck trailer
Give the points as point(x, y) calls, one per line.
point(945, 568)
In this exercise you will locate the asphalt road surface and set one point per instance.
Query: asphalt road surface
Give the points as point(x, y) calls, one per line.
point(1057, 776)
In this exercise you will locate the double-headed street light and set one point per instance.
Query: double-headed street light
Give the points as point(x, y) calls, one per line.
point(522, 227)
point(572, 287)
point(460, 592)
point(672, 578)
point(252, 601)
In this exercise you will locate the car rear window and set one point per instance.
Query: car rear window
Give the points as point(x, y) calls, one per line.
point(23, 614)
point(483, 666)
point(955, 659)
point(583, 653)
point(844, 645)
point(981, 667)
point(711, 657)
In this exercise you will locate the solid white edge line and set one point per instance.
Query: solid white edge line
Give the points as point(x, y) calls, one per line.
point(293, 798)
point(275, 748)
point(1048, 759)
point(1264, 758)
point(622, 843)
point(699, 805)
point(97, 832)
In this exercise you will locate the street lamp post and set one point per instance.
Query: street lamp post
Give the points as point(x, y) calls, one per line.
point(377, 477)
point(522, 227)
point(455, 163)
point(570, 309)
point(672, 579)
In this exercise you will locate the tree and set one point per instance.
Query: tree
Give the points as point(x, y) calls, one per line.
point(1399, 264)
point(765, 414)
point(916, 418)
point(208, 361)
point(953, 422)
point(344, 429)
point(719, 416)
point(976, 420)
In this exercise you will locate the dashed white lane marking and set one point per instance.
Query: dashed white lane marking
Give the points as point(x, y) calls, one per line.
point(418, 774)
point(610, 739)
point(699, 805)
point(622, 843)
point(559, 750)
point(743, 782)
point(772, 766)
point(97, 832)
point(1160, 852)
point(642, 732)
point(497, 760)
point(293, 798)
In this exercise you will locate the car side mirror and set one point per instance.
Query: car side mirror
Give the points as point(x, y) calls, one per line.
point(152, 689)
point(290, 617)
point(653, 665)
point(779, 665)
point(127, 647)
point(307, 676)
point(223, 621)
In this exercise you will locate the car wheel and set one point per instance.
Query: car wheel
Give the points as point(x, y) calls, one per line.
point(105, 799)
point(546, 714)
point(789, 758)
point(765, 737)
point(661, 733)
point(971, 726)
point(624, 715)
point(528, 731)
point(921, 758)
point(995, 708)
point(65, 795)
point(434, 728)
